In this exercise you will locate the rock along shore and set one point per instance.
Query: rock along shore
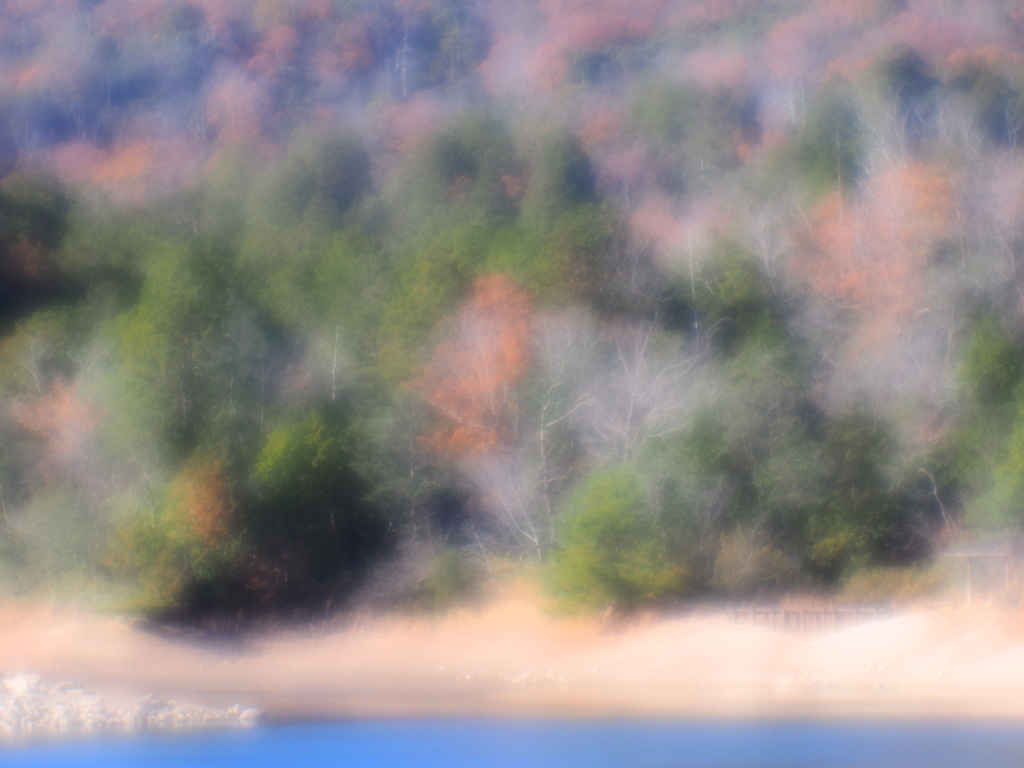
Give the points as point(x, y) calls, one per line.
point(30, 708)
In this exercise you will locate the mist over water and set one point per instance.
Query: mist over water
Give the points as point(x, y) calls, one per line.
point(554, 744)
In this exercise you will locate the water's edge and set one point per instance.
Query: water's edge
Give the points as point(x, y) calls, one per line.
point(30, 708)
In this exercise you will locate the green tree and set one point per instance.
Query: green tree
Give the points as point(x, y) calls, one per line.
point(226, 188)
point(860, 514)
point(429, 286)
point(611, 553)
point(689, 130)
point(734, 300)
point(461, 174)
point(322, 176)
point(308, 281)
point(1000, 506)
point(749, 460)
point(184, 351)
point(828, 148)
point(462, 40)
point(182, 550)
point(34, 213)
point(315, 530)
point(992, 364)
point(561, 178)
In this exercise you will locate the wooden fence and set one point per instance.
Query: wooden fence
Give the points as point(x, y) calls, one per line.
point(808, 619)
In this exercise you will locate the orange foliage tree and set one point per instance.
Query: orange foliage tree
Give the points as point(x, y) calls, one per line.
point(798, 46)
point(471, 380)
point(276, 53)
point(350, 51)
point(220, 15)
point(62, 421)
point(207, 502)
point(870, 254)
point(237, 107)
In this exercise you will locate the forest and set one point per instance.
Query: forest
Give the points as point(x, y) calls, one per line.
point(307, 304)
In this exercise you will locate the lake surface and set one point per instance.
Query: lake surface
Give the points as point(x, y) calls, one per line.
point(546, 744)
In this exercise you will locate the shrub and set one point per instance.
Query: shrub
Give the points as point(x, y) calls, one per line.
point(181, 555)
point(749, 562)
point(451, 578)
point(894, 585)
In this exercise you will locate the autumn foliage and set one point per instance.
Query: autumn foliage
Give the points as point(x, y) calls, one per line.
point(735, 285)
point(868, 254)
point(62, 421)
point(207, 502)
point(471, 380)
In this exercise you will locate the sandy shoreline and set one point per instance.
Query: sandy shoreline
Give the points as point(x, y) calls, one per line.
point(511, 660)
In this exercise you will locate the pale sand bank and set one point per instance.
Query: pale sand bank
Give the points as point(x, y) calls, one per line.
point(512, 660)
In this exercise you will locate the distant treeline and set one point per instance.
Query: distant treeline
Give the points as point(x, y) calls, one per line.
point(309, 302)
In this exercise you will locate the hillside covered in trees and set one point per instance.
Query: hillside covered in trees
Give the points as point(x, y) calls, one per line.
point(308, 299)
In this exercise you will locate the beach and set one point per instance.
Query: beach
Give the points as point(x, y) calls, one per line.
point(510, 658)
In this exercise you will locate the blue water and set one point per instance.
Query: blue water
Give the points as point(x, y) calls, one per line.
point(546, 744)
